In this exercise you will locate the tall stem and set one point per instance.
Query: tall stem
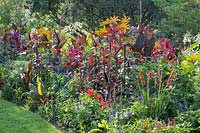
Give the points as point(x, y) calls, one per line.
point(140, 10)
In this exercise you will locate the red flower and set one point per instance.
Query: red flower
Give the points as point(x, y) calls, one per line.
point(101, 100)
point(103, 104)
point(90, 92)
point(99, 97)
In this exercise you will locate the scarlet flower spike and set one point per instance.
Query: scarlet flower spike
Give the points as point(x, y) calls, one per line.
point(141, 76)
point(171, 76)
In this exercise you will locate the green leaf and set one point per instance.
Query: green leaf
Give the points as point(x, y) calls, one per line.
point(95, 131)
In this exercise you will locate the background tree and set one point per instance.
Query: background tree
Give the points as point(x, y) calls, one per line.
point(11, 12)
point(180, 16)
point(91, 12)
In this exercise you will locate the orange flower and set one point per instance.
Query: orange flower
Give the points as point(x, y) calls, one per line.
point(90, 92)
point(124, 24)
point(103, 104)
point(102, 101)
point(99, 97)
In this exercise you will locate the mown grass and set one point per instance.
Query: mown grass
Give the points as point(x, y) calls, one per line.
point(15, 119)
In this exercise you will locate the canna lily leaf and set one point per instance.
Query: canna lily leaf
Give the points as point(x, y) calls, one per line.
point(186, 66)
point(95, 131)
point(100, 31)
point(40, 86)
point(103, 125)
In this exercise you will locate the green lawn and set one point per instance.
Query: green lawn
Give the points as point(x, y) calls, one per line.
point(15, 119)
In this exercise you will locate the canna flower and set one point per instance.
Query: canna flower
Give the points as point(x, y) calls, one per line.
point(125, 20)
point(90, 92)
point(124, 24)
point(113, 25)
point(112, 20)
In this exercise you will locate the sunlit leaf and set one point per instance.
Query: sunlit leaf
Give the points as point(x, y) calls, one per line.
point(40, 86)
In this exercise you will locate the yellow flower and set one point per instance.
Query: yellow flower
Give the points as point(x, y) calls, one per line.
point(123, 26)
point(124, 23)
point(108, 21)
point(45, 32)
point(125, 20)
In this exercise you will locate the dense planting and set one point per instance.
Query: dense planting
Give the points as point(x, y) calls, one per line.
point(118, 78)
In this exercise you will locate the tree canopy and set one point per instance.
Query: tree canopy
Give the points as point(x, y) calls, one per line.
point(174, 17)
